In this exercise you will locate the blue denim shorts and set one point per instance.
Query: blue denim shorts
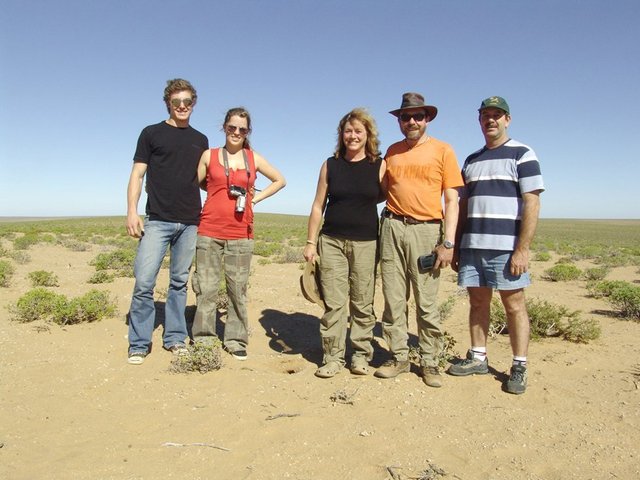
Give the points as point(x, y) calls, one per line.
point(489, 268)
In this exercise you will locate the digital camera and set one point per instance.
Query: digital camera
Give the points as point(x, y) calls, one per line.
point(426, 262)
point(241, 197)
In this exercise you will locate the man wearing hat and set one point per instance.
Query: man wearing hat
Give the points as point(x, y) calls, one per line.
point(498, 216)
point(420, 169)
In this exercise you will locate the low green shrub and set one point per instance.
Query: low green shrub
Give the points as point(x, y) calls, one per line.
point(29, 239)
point(564, 260)
point(36, 304)
point(563, 272)
point(289, 255)
point(75, 245)
point(114, 260)
point(604, 288)
point(90, 307)
point(596, 273)
point(6, 272)
point(626, 299)
point(547, 320)
point(203, 357)
point(542, 256)
point(267, 249)
point(579, 330)
point(20, 257)
point(43, 304)
point(42, 278)
point(101, 277)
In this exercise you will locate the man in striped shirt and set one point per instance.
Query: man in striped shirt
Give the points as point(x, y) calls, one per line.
point(499, 210)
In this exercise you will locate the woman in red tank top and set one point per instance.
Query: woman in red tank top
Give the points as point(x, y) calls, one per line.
point(225, 234)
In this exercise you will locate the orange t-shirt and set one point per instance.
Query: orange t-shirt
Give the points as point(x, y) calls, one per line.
point(417, 177)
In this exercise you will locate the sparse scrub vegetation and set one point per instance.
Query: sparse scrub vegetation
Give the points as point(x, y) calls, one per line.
point(90, 307)
point(289, 255)
point(203, 357)
point(101, 276)
point(36, 304)
point(42, 278)
point(6, 272)
point(543, 256)
point(20, 257)
point(120, 260)
point(43, 304)
point(563, 272)
point(29, 239)
point(624, 296)
point(596, 273)
point(547, 320)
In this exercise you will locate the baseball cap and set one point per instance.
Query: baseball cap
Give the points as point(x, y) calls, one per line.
point(495, 102)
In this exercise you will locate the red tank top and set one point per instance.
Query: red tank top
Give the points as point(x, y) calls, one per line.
point(219, 218)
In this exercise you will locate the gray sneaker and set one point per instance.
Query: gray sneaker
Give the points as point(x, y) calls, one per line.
point(469, 366)
point(392, 368)
point(517, 382)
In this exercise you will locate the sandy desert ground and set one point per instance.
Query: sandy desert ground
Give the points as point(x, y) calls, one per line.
point(72, 408)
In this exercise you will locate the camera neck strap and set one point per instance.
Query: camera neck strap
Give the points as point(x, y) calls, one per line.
point(225, 161)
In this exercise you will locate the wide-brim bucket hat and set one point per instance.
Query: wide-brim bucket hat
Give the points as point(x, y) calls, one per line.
point(310, 283)
point(411, 100)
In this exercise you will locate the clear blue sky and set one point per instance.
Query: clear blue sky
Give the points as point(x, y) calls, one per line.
point(81, 78)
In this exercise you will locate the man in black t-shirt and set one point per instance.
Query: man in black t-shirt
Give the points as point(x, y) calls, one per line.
point(168, 154)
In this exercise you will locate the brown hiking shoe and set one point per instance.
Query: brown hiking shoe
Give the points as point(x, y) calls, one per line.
point(392, 368)
point(432, 377)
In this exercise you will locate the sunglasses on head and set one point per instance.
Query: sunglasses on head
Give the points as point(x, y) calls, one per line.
point(232, 129)
point(176, 102)
point(418, 117)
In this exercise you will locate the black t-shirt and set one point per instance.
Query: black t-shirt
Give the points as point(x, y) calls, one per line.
point(172, 155)
point(353, 190)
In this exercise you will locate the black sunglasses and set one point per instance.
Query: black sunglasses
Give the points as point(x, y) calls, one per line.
point(418, 117)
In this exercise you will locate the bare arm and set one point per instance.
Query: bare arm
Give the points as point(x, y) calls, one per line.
point(451, 210)
point(315, 217)
point(203, 165)
point(383, 181)
point(277, 179)
point(462, 220)
point(528, 224)
point(135, 225)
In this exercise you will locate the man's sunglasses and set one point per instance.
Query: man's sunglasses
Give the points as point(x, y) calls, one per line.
point(231, 129)
point(418, 117)
point(176, 102)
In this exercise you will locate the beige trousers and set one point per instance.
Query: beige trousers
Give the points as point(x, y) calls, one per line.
point(400, 246)
point(347, 279)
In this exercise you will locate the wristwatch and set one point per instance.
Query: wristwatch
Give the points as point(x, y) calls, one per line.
point(447, 244)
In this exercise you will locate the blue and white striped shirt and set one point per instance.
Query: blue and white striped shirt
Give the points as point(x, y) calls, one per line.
point(495, 180)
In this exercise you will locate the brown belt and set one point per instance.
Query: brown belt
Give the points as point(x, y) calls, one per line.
point(408, 220)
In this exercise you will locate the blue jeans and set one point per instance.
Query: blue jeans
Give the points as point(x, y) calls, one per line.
point(158, 236)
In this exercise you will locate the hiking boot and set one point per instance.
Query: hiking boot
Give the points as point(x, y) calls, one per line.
point(392, 368)
point(517, 382)
point(469, 366)
point(136, 358)
point(328, 370)
point(432, 377)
